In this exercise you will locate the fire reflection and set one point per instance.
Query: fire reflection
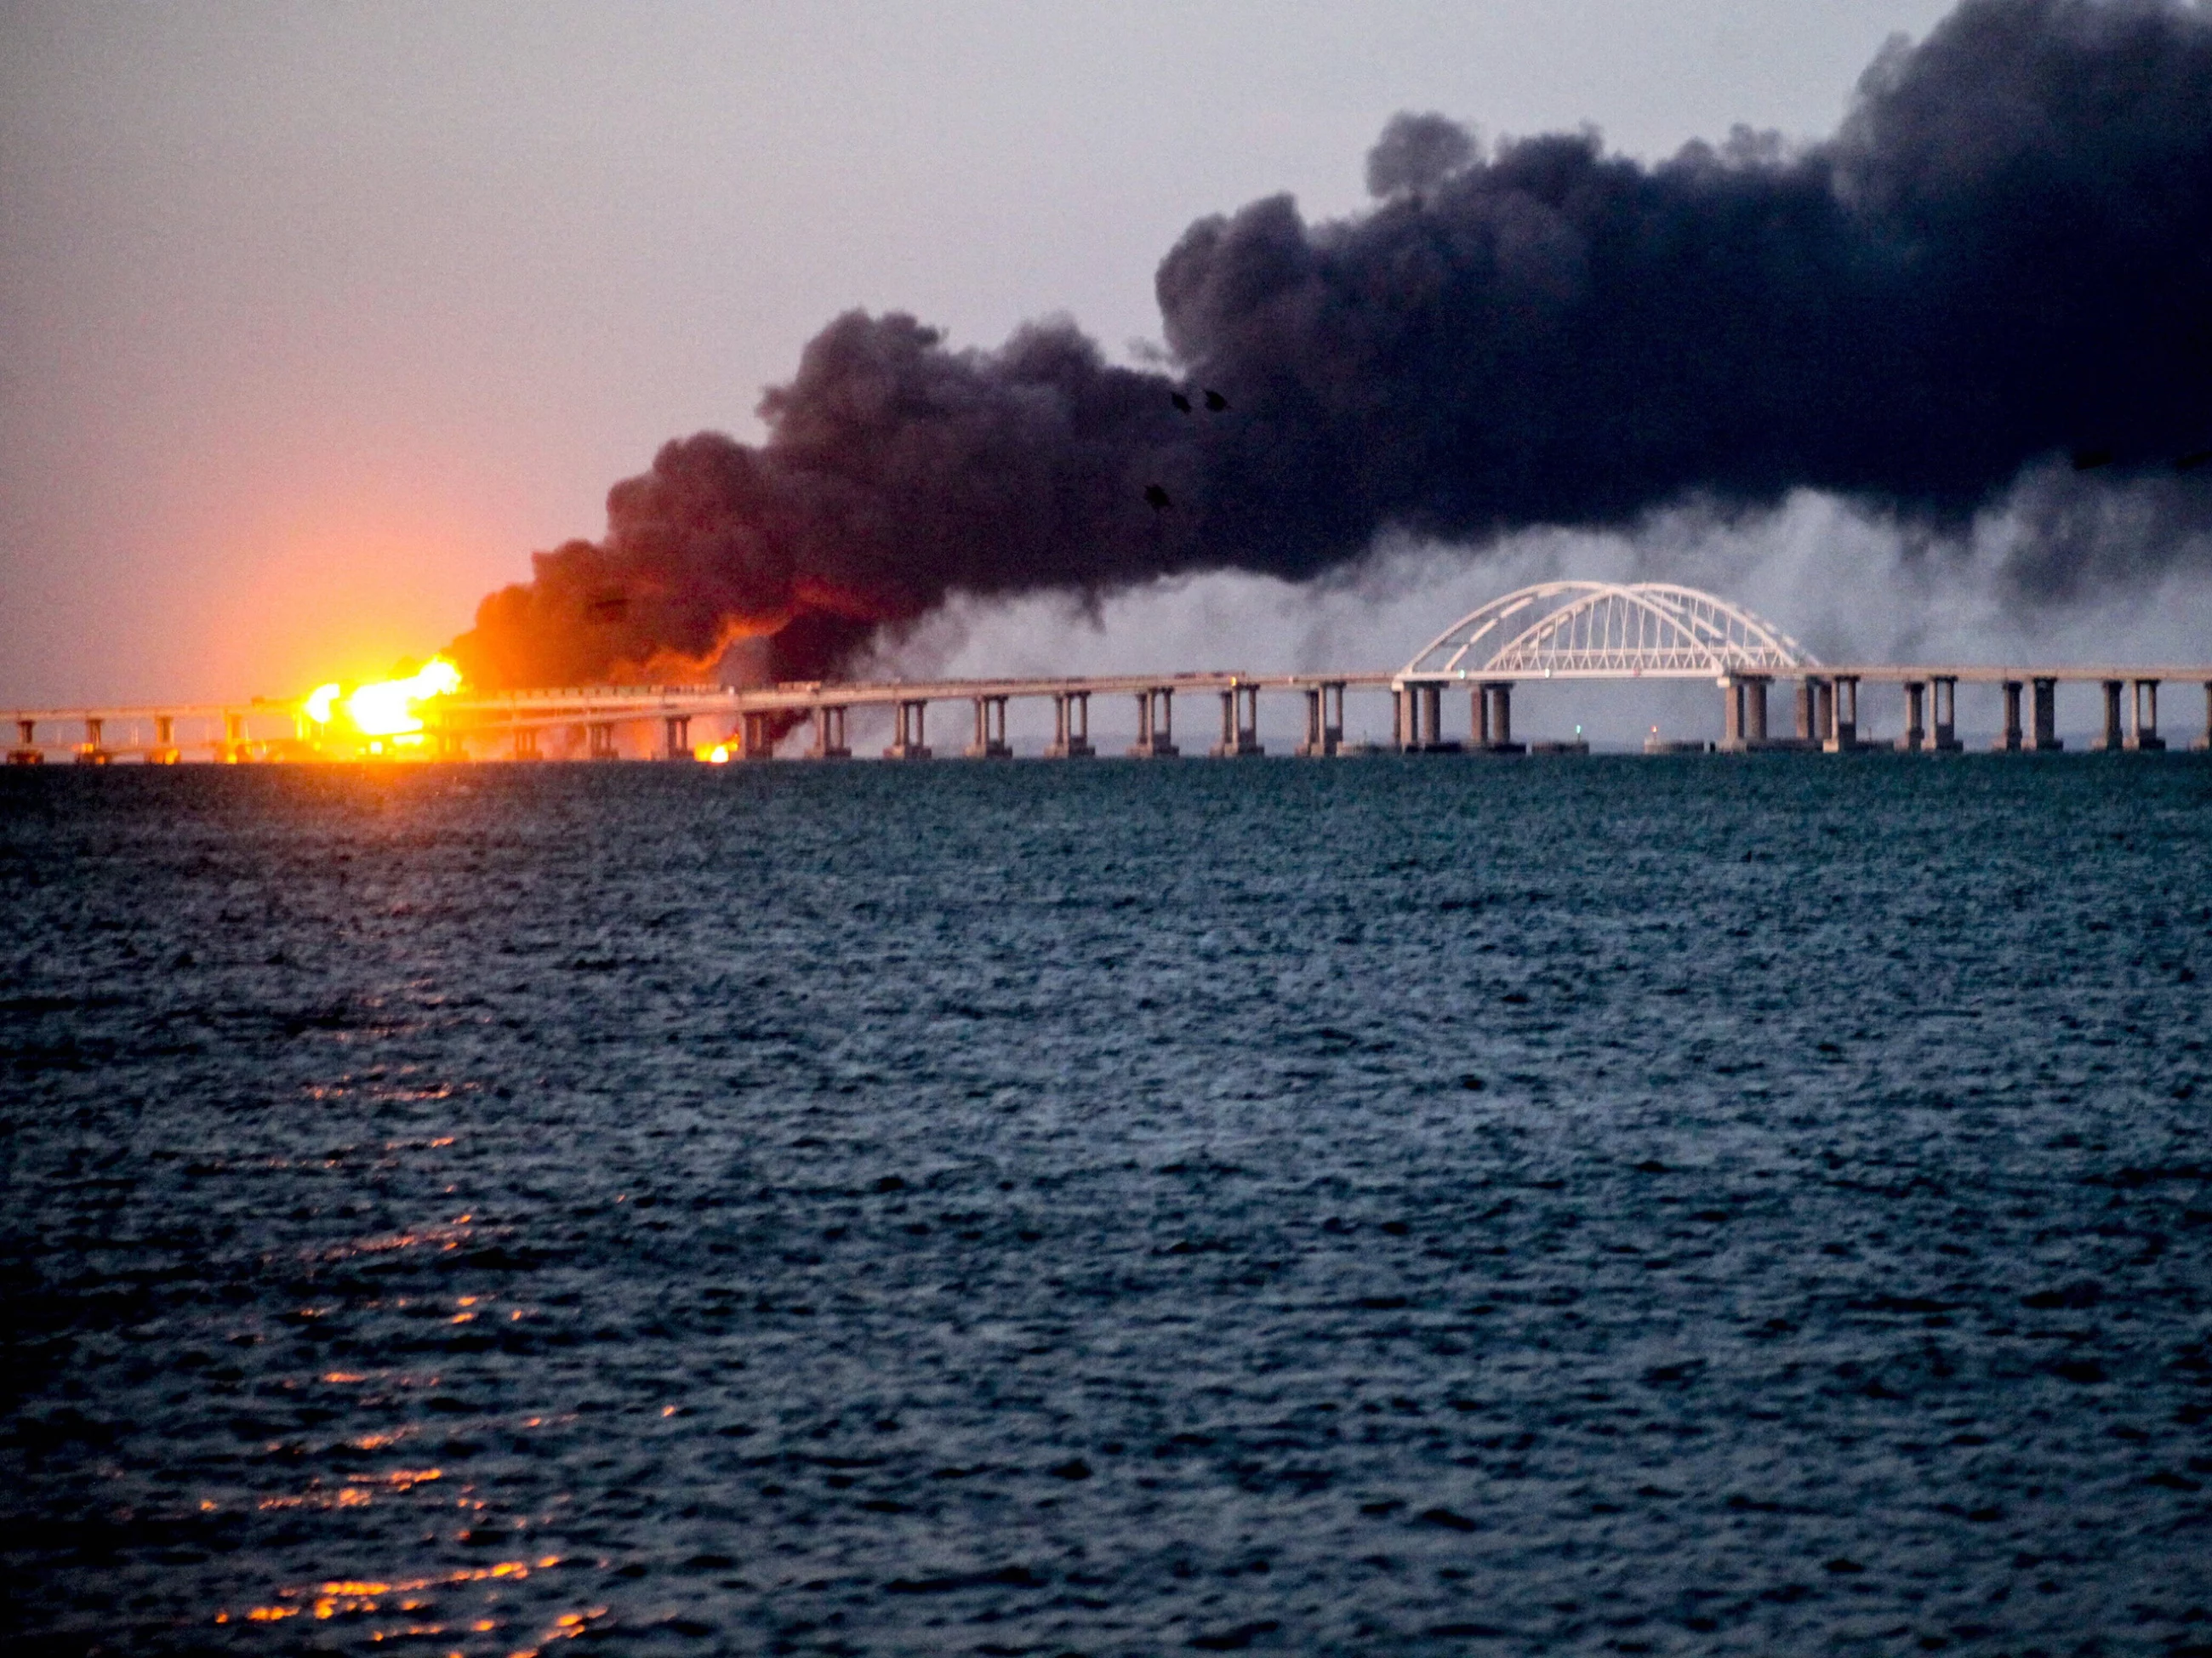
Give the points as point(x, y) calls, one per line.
point(414, 1599)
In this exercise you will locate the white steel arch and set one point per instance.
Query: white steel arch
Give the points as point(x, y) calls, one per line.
point(1607, 630)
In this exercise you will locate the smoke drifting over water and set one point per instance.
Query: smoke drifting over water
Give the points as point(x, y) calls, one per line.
point(1989, 293)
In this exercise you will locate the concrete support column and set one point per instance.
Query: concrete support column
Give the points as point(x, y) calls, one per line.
point(1240, 722)
point(1432, 716)
point(990, 741)
point(1732, 720)
point(1324, 720)
point(232, 752)
point(2205, 741)
point(830, 742)
point(93, 751)
point(1843, 734)
point(1944, 692)
point(599, 739)
point(1754, 709)
point(910, 741)
point(678, 746)
point(2142, 725)
point(1916, 733)
point(164, 751)
point(1497, 718)
point(1808, 711)
point(1155, 724)
point(756, 735)
point(27, 752)
point(2112, 738)
point(1071, 725)
point(1400, 699)
point(2009, 739)
point(525, 742)
point(2043, 722)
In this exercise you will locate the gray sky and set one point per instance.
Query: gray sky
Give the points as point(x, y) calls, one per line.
point(315, 320)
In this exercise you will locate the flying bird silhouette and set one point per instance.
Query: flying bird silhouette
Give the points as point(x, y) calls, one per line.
point(1215, 401)
point(1156, 498)
point(1180, 401)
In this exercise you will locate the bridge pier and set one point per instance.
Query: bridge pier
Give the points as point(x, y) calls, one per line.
point(2143, 727)
point(1071, 726)
point(1743, 712)
point(909, 744)
point(1813, 696)
point(232, 750)
point(1324, 720)
point(2205, 741)
point(829, 733)
point(990, 741)
point(1842, 735)
point(27, 752)
point(93, 751)
point(756, 735)
point(678, 746)
point(1493, 718)
point(1914, 736)
point(1420, 718)
point(1943, 695)
point(599, 741)
point(2008, 738)
point(2112, 738)
point(2042, 727)
point(1240, 722)
point(525, 742)
point(164, 751)
point(1155, 724)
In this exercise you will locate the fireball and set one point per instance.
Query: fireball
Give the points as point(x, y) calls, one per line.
point(383, 708)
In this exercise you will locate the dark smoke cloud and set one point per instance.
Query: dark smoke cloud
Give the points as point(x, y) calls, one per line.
point(2003, 256)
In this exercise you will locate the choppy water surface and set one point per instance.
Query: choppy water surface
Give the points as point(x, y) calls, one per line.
point(1380, 1206)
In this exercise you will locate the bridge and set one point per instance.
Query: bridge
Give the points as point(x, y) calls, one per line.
point(1556, 630)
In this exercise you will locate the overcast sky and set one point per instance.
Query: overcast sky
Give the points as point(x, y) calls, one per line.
point(316, 320)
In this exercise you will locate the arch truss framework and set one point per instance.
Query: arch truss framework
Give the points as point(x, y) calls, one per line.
point(1607, 630)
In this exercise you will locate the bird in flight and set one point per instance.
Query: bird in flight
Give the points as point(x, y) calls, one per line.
point(1215, 401)
point(1156, 498)
point(1180, 401)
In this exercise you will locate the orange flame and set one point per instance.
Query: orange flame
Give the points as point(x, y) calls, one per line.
point(383, 709)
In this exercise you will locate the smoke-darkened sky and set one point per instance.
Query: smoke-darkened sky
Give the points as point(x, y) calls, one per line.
point(314, 323)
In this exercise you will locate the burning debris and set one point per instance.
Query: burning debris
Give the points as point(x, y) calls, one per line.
point(1999, 261)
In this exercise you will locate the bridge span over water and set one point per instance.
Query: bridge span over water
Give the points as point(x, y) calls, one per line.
point(1558, 630)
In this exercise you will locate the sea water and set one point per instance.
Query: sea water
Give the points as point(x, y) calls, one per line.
point(1380, 1206)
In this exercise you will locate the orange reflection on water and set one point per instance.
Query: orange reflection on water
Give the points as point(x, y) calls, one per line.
point(353, 1597)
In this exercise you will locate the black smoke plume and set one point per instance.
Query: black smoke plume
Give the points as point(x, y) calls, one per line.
point(2001, 260)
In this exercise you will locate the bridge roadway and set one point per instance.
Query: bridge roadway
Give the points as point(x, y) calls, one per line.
point(513, 724)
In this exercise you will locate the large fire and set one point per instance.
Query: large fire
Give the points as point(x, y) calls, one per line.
point(383, 713)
